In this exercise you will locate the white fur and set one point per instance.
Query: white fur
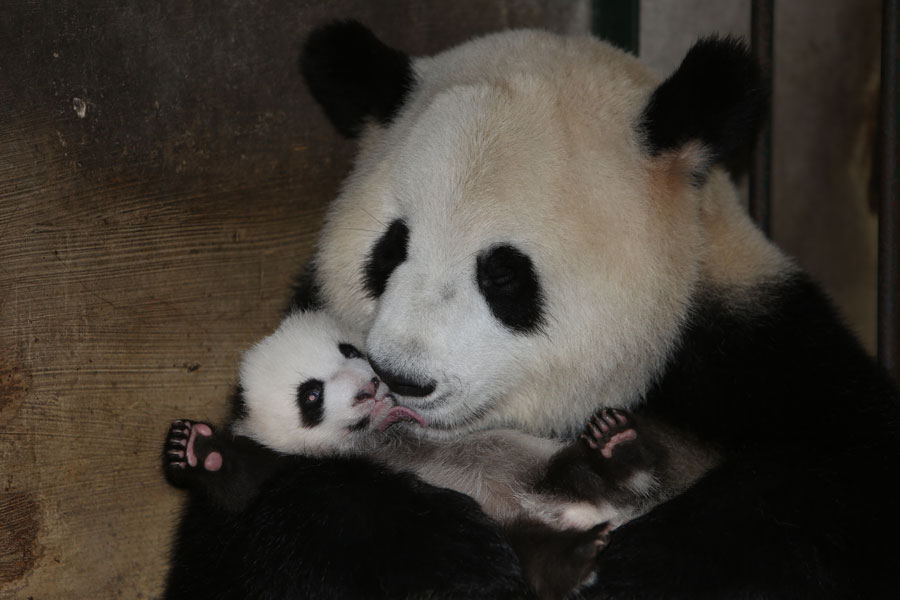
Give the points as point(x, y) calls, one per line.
point(500, 468)
point(531, 139)
point(305, 346)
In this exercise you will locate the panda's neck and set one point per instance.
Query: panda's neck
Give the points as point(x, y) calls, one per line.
point(764, 361)
point(736, 253)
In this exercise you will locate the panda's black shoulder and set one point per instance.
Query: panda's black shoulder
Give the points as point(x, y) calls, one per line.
point(781, 356)
point(342, 527)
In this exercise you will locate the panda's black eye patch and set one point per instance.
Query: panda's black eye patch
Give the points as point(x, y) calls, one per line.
point(509, 283)
point(349, 351)
point(311, 401)
point(387, 254)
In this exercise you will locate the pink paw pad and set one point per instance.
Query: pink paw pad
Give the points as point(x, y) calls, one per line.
point(213, 461)
point(625, 436)
point(198, 429)
point(183, 449)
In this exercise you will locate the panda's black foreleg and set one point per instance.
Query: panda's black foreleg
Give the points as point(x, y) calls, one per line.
point(228, 469)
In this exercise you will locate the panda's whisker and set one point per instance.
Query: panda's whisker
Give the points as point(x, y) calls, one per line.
point(371, 216)
point(375, 231)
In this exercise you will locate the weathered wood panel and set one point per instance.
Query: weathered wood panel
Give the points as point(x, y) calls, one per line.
point(162, 176)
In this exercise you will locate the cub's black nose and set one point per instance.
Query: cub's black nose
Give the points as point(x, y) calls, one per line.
point(402, 385)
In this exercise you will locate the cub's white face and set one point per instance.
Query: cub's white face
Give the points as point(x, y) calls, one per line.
point(307, 388)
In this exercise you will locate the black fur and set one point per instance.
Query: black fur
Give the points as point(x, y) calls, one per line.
point(340, 528)
point(235, 485)
point(237, 406)
point(311, 402)
point(803, 506)
point(582, 473)
point(306, 295)
point(510, 286)
point(557, 562)
point(716, 96)
point(354, 76)
point(362, 424)
point(388, 253)
point(554, 562)
point(349, 350)
point(401, 383)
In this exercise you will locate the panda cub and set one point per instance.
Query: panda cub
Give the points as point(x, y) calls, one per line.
point(308, 390)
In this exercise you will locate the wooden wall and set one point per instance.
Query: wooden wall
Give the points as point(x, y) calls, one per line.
point(163, 174)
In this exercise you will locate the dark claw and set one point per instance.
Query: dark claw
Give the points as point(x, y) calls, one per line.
point(604, 426)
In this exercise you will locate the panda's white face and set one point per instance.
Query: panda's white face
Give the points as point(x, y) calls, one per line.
point(514, 252)
point(508, 255)
point(307, 388)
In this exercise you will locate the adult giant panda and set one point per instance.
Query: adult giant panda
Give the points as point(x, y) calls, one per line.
point(535, 228)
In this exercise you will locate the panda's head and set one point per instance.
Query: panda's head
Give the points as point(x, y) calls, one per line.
point(529, 216)
point(307, 389)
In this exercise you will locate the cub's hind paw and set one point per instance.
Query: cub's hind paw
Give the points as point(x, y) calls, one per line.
point(190, 451)
point(608, 429)
point(591, 543)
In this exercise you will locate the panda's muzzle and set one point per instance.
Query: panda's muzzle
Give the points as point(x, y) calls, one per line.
point(368, 392)
point(401, 385)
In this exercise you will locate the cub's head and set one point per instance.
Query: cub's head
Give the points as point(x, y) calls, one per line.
point(307, 388)
point(530, 216)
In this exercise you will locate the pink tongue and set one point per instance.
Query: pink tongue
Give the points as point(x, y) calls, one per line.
point(401, 413)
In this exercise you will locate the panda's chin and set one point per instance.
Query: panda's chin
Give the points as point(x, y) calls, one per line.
point(448, 417)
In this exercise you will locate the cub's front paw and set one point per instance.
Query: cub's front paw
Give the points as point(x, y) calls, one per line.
point(190, 453)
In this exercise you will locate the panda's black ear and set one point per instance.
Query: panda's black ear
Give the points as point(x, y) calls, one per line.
point(354, 76)
point(716, 98)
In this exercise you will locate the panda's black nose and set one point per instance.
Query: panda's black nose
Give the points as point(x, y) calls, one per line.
point(400, 384)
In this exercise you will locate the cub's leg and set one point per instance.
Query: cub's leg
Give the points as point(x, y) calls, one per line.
point(190, 454)
point(617, 450)
point(229, 469)
point(613, 462)
point(556, 562)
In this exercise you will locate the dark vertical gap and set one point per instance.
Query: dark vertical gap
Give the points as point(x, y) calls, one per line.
point(760, 173)
point(617, 22)
point(889, 194)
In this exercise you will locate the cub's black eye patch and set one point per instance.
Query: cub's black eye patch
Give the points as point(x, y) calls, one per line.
point(388, 253)
point(509, 283)
point(349, 351)
point(311, 401)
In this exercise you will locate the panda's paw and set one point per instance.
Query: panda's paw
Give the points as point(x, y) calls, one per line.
point(581, 560)
point(608, 429)
point(189, 452)
point(591, 543)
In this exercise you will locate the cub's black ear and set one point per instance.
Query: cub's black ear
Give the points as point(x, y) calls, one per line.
point(716, 98)
point(354, 76)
